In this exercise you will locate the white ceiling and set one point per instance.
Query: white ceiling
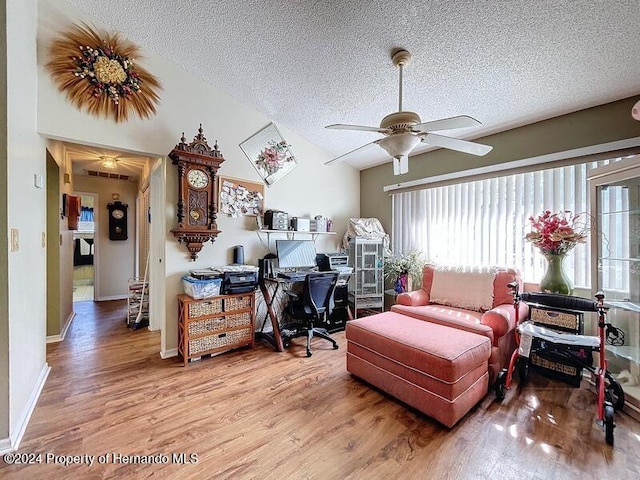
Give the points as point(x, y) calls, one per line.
point(85, 159)
point(308, 64)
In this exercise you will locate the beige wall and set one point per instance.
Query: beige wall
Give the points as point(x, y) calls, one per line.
point(25, 212)
point(594, 126)
point(308, 190)
point(4, 235)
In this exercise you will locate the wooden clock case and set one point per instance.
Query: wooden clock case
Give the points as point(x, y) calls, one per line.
point(117, 220)
point(197, 207)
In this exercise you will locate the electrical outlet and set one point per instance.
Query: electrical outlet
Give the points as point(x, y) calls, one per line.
point(15, 240)
point(44, 240)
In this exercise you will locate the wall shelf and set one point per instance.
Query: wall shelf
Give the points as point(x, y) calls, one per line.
point(290, 234)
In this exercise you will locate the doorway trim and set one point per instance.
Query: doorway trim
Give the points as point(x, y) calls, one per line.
point(157, 235)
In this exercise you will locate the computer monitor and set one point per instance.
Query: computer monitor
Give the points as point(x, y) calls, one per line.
point(296, 254)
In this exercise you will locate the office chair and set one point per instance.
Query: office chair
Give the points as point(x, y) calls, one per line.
point(315, 302)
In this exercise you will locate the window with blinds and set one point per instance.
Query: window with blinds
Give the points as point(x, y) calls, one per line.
point(484, 222)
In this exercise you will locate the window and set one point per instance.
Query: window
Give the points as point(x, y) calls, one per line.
point(484, 222)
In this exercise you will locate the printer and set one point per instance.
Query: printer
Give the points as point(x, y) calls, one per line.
point(237, 278)
point(335, 261)
point(239, 282)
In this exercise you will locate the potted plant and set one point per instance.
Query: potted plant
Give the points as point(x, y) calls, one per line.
point(404, 271)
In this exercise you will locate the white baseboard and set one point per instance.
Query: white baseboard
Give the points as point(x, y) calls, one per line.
point(111, 297)
point(13, 442)
point(169, 353)
point(67, 324)
point(5, 446)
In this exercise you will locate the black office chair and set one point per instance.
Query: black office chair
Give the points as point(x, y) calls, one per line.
point(315, 302)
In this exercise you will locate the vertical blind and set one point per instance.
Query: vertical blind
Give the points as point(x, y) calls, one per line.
point(484, 222)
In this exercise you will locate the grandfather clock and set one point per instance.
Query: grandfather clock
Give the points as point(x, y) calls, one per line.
point(197, 192)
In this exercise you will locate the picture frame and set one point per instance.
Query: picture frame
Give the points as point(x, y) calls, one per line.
point(239, 197)
point(269, 154)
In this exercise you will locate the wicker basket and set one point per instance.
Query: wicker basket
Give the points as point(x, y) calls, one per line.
point(204, 308)
point(207, 325)
point(211, 342)
point(238, 320)
point(554, 319)
point(237, 303)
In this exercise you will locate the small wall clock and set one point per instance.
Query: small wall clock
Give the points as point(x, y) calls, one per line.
point(197, 192)
point(117, 221)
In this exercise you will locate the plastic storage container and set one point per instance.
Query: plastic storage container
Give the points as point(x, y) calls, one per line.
point(200, 289)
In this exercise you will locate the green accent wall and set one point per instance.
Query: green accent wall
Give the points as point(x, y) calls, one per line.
point(53, 247)
point(594, 126)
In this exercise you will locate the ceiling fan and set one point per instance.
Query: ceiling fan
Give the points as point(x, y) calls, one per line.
point(404, 130)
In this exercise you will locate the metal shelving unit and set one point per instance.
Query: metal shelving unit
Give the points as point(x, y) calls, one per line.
point(366, 284)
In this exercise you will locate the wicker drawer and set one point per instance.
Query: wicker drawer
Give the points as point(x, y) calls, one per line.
point(207, 325)
point(234, 338)
point(565, 320)
point(237, 303)
point(238, 320)
point(204, 308)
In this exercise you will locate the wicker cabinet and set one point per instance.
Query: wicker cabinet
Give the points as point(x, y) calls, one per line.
point(366, 284)
point(215, 325)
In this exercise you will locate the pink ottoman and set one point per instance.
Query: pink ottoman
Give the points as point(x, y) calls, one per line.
point(441, 371)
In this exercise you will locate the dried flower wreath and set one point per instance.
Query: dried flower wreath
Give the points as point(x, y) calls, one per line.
point(97, 73)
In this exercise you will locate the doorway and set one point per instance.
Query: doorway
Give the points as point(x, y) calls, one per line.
point(84, 250)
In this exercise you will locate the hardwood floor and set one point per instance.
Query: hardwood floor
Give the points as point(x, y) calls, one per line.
point(259, 414)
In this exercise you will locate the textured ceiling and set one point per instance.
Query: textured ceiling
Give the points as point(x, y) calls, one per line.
point(308, 64)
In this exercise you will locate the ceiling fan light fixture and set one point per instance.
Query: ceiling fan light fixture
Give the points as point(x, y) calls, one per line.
point(108, 162)
point(635, 111)
point(399, 145)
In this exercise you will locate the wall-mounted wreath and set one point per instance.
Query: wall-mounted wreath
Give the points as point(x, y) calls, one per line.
point(96, 71)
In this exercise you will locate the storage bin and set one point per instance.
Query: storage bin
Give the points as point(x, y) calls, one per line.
point(200, 289)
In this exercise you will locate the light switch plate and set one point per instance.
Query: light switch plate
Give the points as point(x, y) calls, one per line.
point(38, 180)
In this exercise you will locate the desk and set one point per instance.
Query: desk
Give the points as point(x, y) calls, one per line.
point(270, 287)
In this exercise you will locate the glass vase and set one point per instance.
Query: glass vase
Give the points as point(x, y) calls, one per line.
point(555, 279)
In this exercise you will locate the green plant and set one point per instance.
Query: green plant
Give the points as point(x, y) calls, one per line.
point(410, 263)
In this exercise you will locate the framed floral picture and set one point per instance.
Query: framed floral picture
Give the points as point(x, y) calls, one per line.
point(270, 154)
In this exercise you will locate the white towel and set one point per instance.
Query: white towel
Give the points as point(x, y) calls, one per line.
point(85, 248)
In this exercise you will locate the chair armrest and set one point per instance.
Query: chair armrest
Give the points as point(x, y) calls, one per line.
point(415, 298)
point(502, 319)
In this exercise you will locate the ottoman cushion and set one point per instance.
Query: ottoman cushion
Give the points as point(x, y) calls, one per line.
point(439, 370)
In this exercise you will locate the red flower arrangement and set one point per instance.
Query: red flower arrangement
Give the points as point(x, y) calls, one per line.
point(557, 233)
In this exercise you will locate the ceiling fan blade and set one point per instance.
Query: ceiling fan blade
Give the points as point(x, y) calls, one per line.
point(361, 128)
point(341, 157)
point(456, 144)
point(461, 121)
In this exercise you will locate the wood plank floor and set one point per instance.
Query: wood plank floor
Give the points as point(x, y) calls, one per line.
point(259, 414)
